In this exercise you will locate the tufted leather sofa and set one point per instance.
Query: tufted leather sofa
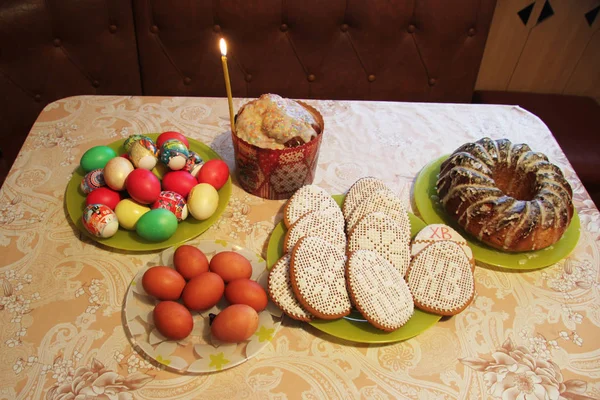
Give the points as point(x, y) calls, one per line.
point(404, 50)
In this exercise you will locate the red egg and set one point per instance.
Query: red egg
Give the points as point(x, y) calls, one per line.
point(214, 172)
point(179, 182)
point(143, 186)
point(105, 196)
point(163, 137)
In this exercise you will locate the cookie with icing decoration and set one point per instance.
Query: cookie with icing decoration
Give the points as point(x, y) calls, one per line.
point(380, 233)
point(280, 291)
point(316, 223)
point(441, 279)
point(310, 198)
point(378, 290)
point(360, 190)
point(384, 201)
point(438, 232)
point(317, 274)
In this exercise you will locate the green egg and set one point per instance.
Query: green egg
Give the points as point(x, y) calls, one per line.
point(96, 158)
point(156, 225)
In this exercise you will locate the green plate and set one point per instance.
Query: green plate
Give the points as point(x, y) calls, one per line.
point(426, 202)
point(354, 327)
point(129, 240)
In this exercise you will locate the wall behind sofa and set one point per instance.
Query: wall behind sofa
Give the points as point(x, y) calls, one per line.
point(544, 46)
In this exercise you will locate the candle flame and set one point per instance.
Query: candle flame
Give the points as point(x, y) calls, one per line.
point(223, 47)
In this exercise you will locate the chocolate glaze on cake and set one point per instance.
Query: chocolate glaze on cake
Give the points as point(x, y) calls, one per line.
point(506, 195)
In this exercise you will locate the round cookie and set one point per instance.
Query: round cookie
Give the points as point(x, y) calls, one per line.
point(383, 201)
point(318, 280)
point(378, 290)
point(360, 190)
point(441, 279)
point(316, 223)
point(378, 232)
point(310, 198)
point(437, 232)
point(280, 291)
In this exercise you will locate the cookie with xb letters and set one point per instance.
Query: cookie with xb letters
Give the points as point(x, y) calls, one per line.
point(440, 232)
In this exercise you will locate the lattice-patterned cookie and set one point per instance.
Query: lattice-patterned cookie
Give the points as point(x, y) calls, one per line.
point(378, 232)
point(360, 190)
point(310, 198)
point(316, 223)
point(378, 290)
point(318, 280)
point(281, 293)
point(381, 201)
point(440, 279)
point(437, 232)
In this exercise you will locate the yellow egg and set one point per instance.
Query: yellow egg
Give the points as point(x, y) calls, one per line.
point(116, 171)
point(203, 201)
point(129, 212)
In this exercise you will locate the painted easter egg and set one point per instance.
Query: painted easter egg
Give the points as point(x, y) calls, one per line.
point(100, 220)
point(96, 158)
point(174, 154)
point(173, 202)
point(143, 154)
point(92, 181)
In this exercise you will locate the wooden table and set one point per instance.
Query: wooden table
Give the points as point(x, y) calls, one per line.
point(526, 334)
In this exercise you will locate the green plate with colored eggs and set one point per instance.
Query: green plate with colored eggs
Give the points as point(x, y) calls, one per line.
point(426, 202)
point(354, 327)
point(130, 240)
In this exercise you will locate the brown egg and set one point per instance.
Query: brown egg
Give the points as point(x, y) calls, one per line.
point(235, 323)
point(231, 266)
point(246, 291)
point(190, 261)
point(203, 291)
point(173, 320)
point(164, 283)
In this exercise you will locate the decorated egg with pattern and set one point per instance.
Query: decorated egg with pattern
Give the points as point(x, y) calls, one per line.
point(100, 220)
point(143, 154)
point(174, 154)
point(193, 163)
point(173, 202)
point(132, 139)
point(92, 180)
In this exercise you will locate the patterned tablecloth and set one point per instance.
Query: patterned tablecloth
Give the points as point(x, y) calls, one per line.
point(526, 335)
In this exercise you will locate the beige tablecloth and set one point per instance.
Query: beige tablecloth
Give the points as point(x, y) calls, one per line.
point(529, 335)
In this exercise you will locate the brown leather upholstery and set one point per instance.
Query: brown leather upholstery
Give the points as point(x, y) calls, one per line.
point(411, 50)
point(425, 50)
point(55, 49)
point(573, 120)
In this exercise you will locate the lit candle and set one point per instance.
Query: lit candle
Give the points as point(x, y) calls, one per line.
point(223, 46)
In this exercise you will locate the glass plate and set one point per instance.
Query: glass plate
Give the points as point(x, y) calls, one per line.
point(129, 240)
point(354, 327)
point(197, 353)
point(425, 202)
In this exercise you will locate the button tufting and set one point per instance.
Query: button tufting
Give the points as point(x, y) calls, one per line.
point(371, 78)
point(311, 78)
point(154, 29)
point(432, 81)
point(472, 32)
point(112, 28)
point(56, 42)
point(344, 27)
point(283, 27)
point(37, 98)
point(248, 77)
point(95, 83)
point(217, 28)
point(411, 28)
point(187, 80)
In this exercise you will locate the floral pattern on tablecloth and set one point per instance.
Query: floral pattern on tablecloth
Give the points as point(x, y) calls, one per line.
point(526, 335)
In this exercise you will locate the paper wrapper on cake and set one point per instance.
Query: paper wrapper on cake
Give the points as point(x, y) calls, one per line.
point(276, 174)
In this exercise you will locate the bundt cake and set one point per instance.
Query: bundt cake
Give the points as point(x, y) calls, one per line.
point(506, 195)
